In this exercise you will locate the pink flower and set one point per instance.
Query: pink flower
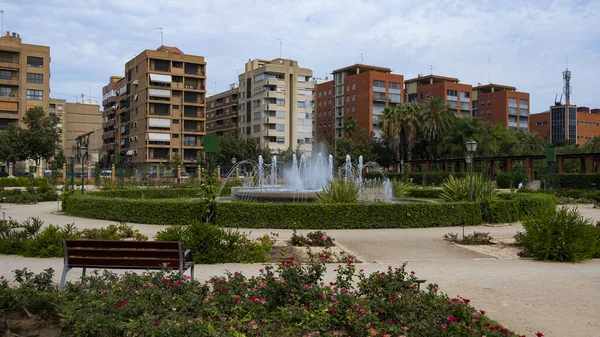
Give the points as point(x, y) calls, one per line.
point(451, 319)
point(157, 323)
point(324, 237)
point(309, 240)
point(443, 326)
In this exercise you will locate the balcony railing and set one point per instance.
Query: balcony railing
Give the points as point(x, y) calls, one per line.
point(524, 113)
point(451, 98)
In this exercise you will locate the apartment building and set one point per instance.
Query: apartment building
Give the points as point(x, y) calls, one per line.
point(456, 95)
point(156, 112)
point(359, 91)
point(222, 112)
point(92, 141)
point(78, 119)
point(567, 122)
point(501, 104)
point(276, 104)
point(24, 78)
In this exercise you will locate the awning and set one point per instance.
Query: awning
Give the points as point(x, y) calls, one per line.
point(160, 93)
point(129, 153)
point(135, 82)
point(159, 137)
point(159, 123)
point(160, 78)
point(122, 90)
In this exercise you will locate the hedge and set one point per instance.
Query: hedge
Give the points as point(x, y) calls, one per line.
point(427, 193)
point(580, 181)
point(510, 179)
point(23, 182)
point(151, 211)
point(508, 208)
point(418, 178)
point(148, 193)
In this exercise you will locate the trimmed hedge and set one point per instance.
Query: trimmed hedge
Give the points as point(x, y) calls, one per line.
point(23, 182)
point(508, 208)
point(151, 211)
point(418, 178)
point(580, 181)
point(510, 179)
point(148, 193)
point(426, 193)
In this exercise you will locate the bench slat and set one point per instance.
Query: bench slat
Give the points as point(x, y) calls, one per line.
point(112, 244)
point(122, 253)
point(107, 263)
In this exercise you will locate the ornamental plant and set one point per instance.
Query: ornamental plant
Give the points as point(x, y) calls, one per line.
point(314, 239)
point(339, 191)
point(477, 238)
point(289, 299)
point(457, 189)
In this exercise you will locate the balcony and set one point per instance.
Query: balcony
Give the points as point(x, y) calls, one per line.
point(512, 105)
point(275, 81)
point(109, 123)
point(109, 135)
point(9, 80)
point(12, 64)
point(274, 133)
point(272, 120)
point(379, 97)
point(451, 98)
point(11, 97)
point(513, 112)
point(109, 147)
point(524, 113)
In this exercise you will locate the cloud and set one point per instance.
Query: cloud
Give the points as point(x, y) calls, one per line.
point(526, 41)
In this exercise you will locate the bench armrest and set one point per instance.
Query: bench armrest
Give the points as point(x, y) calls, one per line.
point(187, 256)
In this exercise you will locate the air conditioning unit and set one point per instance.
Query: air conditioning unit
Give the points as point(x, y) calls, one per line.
point(130, 139)
point(134, 151)
point(135, 138)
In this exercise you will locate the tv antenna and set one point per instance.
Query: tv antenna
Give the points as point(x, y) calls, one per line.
point(361, 58)
point(2, 14)
point(280, 47)
point(431, 69)
point(567, 79)
point(489, 70)
point(161, 35)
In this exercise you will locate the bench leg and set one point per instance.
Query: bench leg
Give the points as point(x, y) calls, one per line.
point(63, 279)
point(83, 271)
point(192, 272)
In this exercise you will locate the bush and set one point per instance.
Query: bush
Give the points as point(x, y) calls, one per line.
point(149, 193)
point(510, 179)
point(424, 192)
point(287, 300)
point(313, 239)
point(23, 182)
point(477, 238)
point(418, 178)
point(30, 196)
point(580, 181)
point(340, 216)
point(401, 188)
point(458, 189)
point(339, 191)
point(563, 236)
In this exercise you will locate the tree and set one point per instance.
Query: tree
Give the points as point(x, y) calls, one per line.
point(364, 146)
point(12, 147)
point(531, 142)
point(436, 121)
point(459, 132)
point(411, 115)
point(350, 125)
point(592, 145)
point(40, 137)
point(391, 126)
point(58, 161)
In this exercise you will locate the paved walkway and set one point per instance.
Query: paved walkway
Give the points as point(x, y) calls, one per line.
point(558, 299)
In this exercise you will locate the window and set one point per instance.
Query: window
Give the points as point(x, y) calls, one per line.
point(35, 62)
point(256, 115)
point(465, 94)
point(176, 121)
point(451, 92)
point(353, 86)
point(300, 104)
point(348, 87)
point(35, 95)
point(354, 108)
point(353, 97)
point(35, 78)
point(379, 84)
point(280, 127)
point(175, 106)
point(175, 135)
point(489, 102)
point(5, 74)
point(280, 101)
point(394, 85)
point(257, 128)
point(395, 98)
point(319, 96)
point(5, 91)
point(189, 140)
point(347, 99)
point(280, 140)
point(329, 93)
point(347, 109)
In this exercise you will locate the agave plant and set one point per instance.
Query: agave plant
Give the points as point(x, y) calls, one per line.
point(457, 189)
point(401, 188)
point(339, 191)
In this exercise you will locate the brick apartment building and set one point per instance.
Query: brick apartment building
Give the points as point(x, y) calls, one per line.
point(567, 122)
point(222, 112)
point(456, 95)
point(157, 110)
point(276, 104)
point(501, 104)
point(359, 91)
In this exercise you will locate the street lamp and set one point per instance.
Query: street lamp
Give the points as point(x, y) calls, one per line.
point(471, 146)
point(82, 149)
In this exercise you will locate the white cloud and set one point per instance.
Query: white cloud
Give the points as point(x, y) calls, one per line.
point(527, 41)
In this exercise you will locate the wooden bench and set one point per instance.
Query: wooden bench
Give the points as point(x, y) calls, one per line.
point(108, 254)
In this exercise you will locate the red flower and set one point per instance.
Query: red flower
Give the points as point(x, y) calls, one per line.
point(157, 323)
point(466, 301)
point(451, 319)
point(539, 334)
point(350, 261)
point(119, 305)
point(443, 326)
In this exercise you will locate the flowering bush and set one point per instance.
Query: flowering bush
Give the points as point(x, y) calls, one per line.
point(315, 239)
point(287, 300)
point(477, 238)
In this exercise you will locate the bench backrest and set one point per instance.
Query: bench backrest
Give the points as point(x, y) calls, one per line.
point(123, 254)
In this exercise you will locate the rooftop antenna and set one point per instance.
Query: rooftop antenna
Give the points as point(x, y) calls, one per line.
point(2, 13)
point(90, 96)
point(567, 79)
point(161, 35)
point(280, 46)
point(431, 69)
point(361, 58)
point(215, 87)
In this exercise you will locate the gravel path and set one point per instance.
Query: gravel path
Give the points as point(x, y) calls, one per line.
point(559, 299)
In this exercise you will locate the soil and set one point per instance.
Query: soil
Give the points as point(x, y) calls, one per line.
point(21, 324)
point(501, 248)
point(283, 249)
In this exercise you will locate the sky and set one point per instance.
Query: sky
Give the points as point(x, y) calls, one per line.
point(520, 43)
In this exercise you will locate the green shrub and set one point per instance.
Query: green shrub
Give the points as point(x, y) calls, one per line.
point(563, 236)
point(31, 195)
point(149, 193)
point(531, 204)
point(418, 178)
point(500, 211)
point(23, 182)
point(424, 192)
point(402, 188)
point(581, 181)
point(48, 243)
point(477, 238)
point(313, 239)
point(211, 244)
point(510, 179)
point(339, 191)
point(458, 189)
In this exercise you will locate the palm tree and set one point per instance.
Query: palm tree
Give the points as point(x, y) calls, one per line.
point(411, 115)
point(435, 123)
point(391, 127)
point(350, 125)
point(531, 143)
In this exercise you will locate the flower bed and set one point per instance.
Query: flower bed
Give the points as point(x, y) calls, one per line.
point(289, 300)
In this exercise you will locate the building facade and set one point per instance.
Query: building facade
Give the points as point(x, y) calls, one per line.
point(276, 104)
point(501, 104)
point(222, 112)
point(567, 122)
point(359, 91)
point(92, 141)
point(156, 112)
point(24, 78)
point(456, 95)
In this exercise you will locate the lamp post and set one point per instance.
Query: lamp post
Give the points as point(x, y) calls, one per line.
point(82, 149)
point(471, 146)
